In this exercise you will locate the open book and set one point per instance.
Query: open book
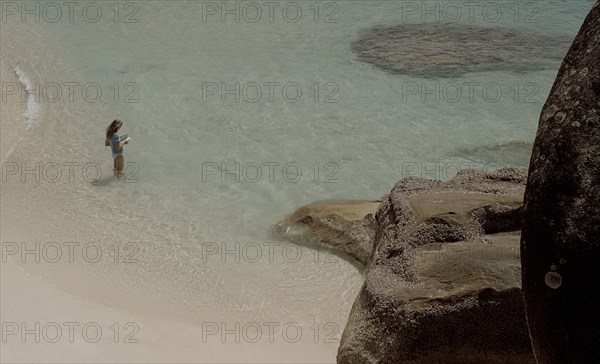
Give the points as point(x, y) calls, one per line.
point(124, 138)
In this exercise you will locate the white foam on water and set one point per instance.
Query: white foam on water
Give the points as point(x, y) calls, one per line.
point(32, 113)
point(32, 110)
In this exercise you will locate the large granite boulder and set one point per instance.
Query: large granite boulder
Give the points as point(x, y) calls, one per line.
point(443, 285)
point(560, 247)
point(345, 227)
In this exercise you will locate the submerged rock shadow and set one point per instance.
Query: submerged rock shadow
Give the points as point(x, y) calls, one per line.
point(452, 50)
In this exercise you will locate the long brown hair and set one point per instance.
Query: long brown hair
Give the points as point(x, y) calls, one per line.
point(113, 128)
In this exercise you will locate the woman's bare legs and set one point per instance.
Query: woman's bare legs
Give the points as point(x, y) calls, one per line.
point(119, 163)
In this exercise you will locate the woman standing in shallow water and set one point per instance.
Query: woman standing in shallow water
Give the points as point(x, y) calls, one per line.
point(116, 145)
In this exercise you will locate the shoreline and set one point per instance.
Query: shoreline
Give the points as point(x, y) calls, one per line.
point(45, 293)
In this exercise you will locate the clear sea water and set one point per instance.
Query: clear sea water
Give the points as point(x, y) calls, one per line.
point(176, 203)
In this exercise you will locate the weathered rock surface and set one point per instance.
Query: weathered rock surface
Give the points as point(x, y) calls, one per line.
point(345, 227)
point(560, 248)
point(451, 50)
point(439, 288)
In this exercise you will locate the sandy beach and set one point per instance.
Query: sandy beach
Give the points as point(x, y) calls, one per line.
point(42, 323)
point(71, 318)
point(29, 300)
